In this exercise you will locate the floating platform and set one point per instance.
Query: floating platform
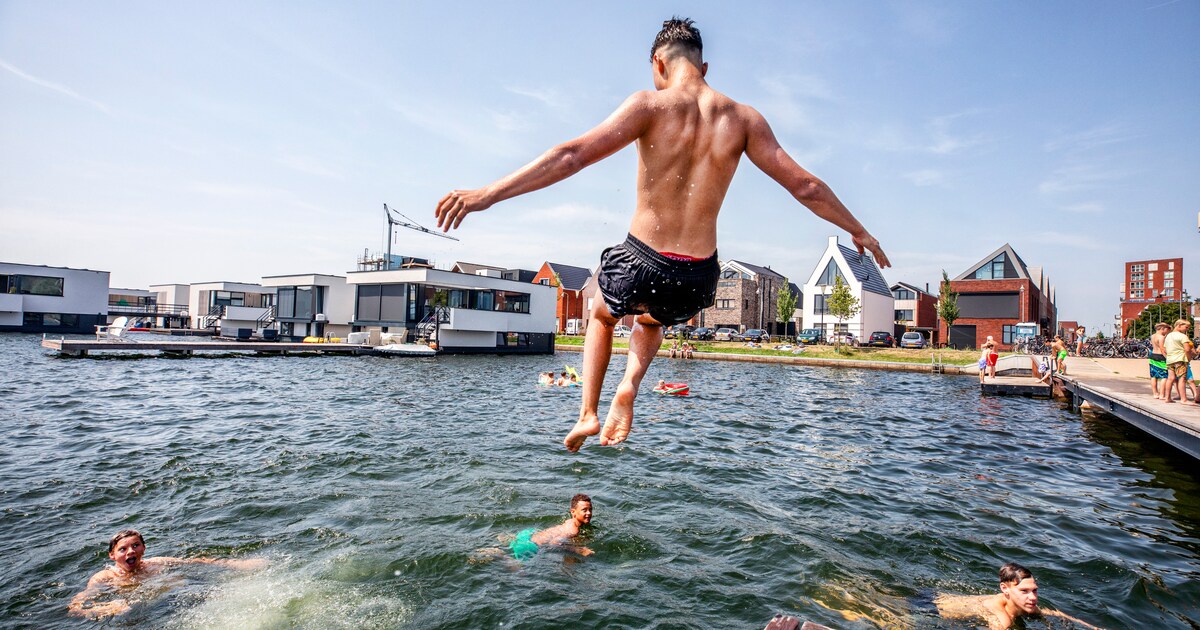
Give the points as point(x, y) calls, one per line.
point(81, 347)
point(1015, 386)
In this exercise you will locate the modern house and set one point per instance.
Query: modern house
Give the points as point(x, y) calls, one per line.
point(1150, 282)
point(516, 275)
point(171, 305)
point(863, 276)
point(41, 299)
point(569, 282)
point(916, 310)
point(312, 304)
point(746, 298)
point(464, 313)
point(997, 293)
point(231, 306)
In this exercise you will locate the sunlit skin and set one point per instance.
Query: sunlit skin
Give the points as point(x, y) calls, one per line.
point(1156, 342)
point(690, 139)
point(1179, 381)
point(581, 514)
point(129, 568)
point(1015, 600)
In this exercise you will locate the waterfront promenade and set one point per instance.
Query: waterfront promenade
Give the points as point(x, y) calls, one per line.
point(1121, 387)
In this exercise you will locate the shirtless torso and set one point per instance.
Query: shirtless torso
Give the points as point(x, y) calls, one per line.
point(1156, 342)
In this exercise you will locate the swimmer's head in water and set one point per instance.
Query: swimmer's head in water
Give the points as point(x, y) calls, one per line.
point(679, 36)
point(122, 535)
point(126, 549)
point(581, 508)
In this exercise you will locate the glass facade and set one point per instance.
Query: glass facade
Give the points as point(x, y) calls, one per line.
point(831, 271)
point(32, 285)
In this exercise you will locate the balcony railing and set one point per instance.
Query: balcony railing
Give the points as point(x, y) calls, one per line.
point(148, 310)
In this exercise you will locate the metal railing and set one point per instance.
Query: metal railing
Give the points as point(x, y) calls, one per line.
point(210, 319)
point(149, 310)
point(267, 318)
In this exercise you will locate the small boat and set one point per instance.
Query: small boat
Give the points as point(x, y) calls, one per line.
point(672, 389)
point(407, 349)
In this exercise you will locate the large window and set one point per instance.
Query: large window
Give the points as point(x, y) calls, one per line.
point(819, 304)
point(512, 302)
point(904, 315)
point(380, 303)
point(989, 306)
point(831, 271)
point(904, 294)
point(34, 285)
point(299, 302)
point(725, 305)
point(229, 298)
point(997, 269)
point(1137, 268)
point(1008, 334)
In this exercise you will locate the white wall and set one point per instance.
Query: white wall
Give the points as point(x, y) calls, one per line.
point(85, 292)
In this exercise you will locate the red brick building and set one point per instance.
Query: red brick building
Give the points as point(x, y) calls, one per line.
point(994, 295)
point(1149, 282)
point(570, 282)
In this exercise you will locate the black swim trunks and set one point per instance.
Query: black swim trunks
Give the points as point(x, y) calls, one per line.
point(636, 279)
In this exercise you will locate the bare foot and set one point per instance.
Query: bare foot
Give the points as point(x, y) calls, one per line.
point(620, 415)
point(588, 425)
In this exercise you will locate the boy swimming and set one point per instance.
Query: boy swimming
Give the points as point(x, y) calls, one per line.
point(126, 549)
point(690, 139)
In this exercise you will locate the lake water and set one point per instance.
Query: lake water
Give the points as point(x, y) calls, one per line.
point(843, 497)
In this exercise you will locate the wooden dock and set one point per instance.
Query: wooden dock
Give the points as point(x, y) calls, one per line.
point(81, 347)
point(1121, 387)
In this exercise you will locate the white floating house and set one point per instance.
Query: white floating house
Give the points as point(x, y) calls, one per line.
point(463, 313)
point(41, 299)
point(231, 307)
point(312, 304)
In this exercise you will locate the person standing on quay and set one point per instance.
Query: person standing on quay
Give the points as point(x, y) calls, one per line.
point(1080, 337)
point(690, 139)
point(1158, 361)
point(1178, 349)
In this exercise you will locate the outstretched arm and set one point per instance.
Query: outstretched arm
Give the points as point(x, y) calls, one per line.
point(1062, 615)
point(625, 125)
point(764, 151)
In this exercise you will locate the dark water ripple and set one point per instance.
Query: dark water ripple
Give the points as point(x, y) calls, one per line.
point(842, 497)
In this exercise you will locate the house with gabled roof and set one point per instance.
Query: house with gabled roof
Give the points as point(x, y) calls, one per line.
point(916, 310)
point(570, 281)
point(862, 274)
point(746, 298)
point(995, 295)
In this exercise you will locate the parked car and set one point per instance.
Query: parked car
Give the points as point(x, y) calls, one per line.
point(724, 334)
point(881, 339)
point(846, 338)
point(810, 336)
point(621, 330)
point(682, 331)
point(753, 334)
point(912, 339)
point(702, 334)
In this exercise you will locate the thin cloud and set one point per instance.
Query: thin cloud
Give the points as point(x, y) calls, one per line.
point(61, 89)
point(1075, 178)
point(1088, 139)
point(925, 177)
point(548, 97)
point(309, 166)
point(1076, 241)
point(1090, 207)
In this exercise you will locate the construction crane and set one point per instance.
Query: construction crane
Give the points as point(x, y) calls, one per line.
point(408, 223)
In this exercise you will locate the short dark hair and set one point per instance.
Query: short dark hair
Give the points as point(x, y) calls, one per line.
point(1012, 573)
point(579, 498)
point(682, 32)
point(122, 535)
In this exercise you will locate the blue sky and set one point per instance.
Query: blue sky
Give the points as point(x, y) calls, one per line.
point(188, 142)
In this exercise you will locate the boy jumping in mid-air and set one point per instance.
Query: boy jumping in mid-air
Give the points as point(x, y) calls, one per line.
point(690, 139)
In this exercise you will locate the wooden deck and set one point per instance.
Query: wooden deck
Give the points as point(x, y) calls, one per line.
point(81, 347)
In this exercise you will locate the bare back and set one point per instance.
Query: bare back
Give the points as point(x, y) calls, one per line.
point(686, 160)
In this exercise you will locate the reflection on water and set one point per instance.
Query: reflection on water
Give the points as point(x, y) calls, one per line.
point(848, 498)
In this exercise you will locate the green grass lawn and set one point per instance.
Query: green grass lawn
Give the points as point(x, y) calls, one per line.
point(896, 355)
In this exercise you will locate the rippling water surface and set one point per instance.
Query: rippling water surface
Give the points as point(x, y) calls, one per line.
point(843, 497)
